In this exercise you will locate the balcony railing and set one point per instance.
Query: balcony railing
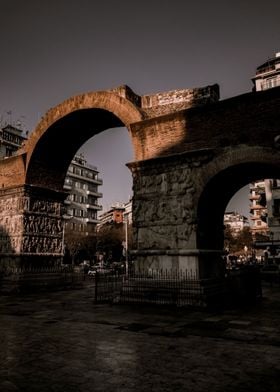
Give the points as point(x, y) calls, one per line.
point(92, 220)
point(67, 186)
point(97, 181)
point(94, 193)
point(270, 83)
point(94, 206)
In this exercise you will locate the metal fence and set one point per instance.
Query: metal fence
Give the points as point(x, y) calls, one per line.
point(155, 287)
point(40, 278)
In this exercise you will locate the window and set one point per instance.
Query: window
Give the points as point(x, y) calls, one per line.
point(271, 82)
point(9, 151)
point(77, 171)
point(93, 189)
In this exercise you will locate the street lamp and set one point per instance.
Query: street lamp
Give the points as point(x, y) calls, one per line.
point(272, 252)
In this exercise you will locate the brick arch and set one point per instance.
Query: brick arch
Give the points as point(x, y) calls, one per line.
point(222, 178)
point(66, 127)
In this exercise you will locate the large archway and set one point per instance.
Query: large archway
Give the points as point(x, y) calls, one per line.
point(192, 153)
point(66, 128)
point(32, 194)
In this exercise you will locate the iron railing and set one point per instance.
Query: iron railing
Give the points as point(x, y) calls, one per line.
point(155, 287)
point(40, 277)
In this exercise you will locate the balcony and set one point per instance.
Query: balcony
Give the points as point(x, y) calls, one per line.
point(94, 207)
point(92, 220)
point(67, 187)
point(67, 216)
point(96, 181)
point(94, 193)
point(254, 197)
point(257, 207)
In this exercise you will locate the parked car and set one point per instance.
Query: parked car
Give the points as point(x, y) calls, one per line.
point(100, 270)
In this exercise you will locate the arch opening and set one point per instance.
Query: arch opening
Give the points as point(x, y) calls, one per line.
point(217, 194)
point(57, 146)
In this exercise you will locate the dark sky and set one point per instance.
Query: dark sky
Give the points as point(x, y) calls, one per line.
point(53, 49)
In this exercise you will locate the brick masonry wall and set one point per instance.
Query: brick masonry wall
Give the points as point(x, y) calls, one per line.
point(251, 119)
point(12, 171)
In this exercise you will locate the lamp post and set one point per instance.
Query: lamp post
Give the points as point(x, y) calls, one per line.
point(272, 252)
point(126, 244)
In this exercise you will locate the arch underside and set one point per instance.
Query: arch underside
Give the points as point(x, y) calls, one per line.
point(57, 146)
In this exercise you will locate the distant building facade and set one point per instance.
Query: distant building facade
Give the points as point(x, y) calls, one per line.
point(268, 74)
point(235, 221)
point(273, 208)
point(11, 139)
point(258, 208)
point(118, 213)
point(82, 182)
point(266, 210)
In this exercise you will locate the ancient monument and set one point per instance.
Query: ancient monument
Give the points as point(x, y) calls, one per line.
point(192, 152)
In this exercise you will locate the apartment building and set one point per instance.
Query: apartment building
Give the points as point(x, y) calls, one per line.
point(118, 213)
point(235, 221)
point(268, 74)
point(82, 183)
point(265, 194)
point(11, 139)
point(258, 208)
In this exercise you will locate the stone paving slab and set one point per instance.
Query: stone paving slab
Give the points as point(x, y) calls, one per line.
point(64, 342)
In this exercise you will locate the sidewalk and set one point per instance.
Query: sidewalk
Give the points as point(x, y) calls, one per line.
point(62, 341)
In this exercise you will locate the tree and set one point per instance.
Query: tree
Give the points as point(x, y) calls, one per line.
point(80, 246)
point(229, 239)
point(237, 242)
point(245, 238)
point(111, 239)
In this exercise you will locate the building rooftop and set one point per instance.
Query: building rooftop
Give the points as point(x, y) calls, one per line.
point(269, 65)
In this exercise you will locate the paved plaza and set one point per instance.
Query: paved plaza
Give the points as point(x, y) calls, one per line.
point(63, 342)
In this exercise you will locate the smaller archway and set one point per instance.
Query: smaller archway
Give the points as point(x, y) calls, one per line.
point(217, 194)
